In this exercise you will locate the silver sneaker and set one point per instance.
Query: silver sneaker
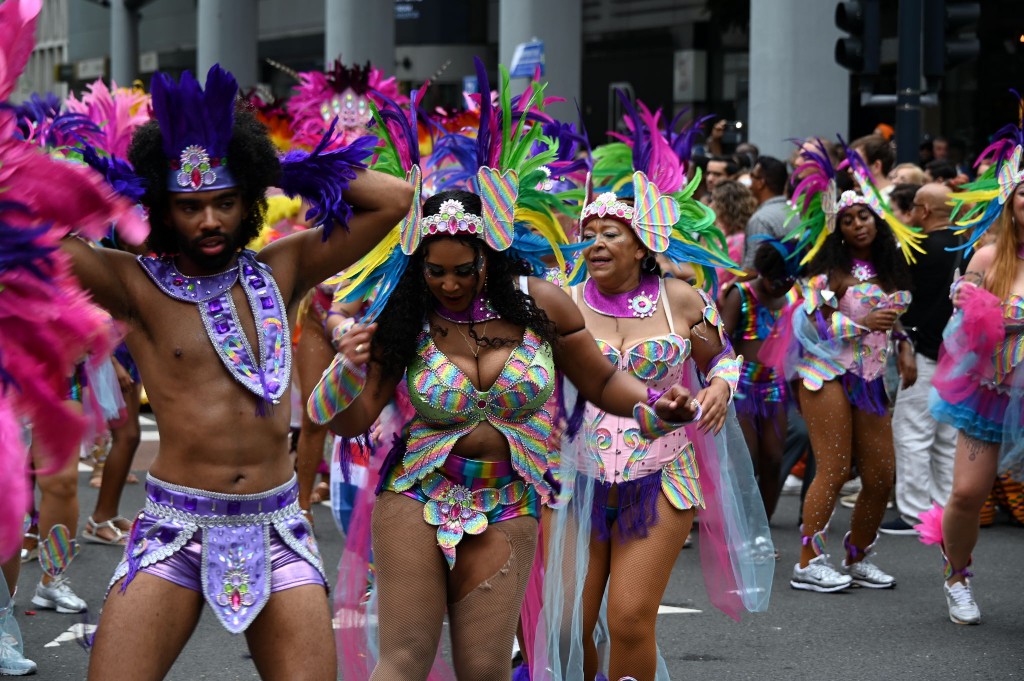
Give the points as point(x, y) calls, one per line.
point(866, 573)
point(960, 601)
point(819, 576)
point(58, 596)
point(12, 662)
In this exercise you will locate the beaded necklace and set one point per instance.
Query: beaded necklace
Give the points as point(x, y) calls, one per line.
point(640, 302)
point(267, 376)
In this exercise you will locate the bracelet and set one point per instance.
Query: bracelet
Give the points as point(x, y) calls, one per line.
point(341, 329)
point(340, 385)
point(652, 426)
point(727, 368)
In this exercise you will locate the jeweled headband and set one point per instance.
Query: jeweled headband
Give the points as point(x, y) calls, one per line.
point(196, 125)
point(607, 205)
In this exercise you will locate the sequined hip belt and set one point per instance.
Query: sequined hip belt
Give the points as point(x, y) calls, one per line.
point(464, 496)
point(235, 559)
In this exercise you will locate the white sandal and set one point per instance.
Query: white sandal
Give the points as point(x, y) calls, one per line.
point(91, 533)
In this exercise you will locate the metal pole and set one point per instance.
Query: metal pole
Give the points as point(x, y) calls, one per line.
point(124, 42)
point(908, 82)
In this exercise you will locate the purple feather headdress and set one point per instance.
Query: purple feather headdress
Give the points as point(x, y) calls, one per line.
point(196, 125)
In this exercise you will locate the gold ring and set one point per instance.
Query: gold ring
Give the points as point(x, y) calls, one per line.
point(359, 348)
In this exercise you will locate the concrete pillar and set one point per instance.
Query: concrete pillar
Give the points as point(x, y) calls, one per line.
point(560, 25)
point(228, 34)
point(796, 88)
point(124, 43)
point(358, 31)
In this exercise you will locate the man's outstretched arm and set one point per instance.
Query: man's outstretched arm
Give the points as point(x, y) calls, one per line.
point(378, 201)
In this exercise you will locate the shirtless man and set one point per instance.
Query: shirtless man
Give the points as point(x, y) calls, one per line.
point(223, 417)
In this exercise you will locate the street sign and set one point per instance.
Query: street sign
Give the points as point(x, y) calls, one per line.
point(470, 85)
point(526, 58)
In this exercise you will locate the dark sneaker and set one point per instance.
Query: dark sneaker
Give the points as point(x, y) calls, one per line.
point(897, 526)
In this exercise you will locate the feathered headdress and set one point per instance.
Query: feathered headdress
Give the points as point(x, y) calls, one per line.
point(499, 165)
point(116, 112)
point(196, 125)
point(342, 92)
point(979, 203)
point(817, 203)
point(649, 166)
point(47, 324)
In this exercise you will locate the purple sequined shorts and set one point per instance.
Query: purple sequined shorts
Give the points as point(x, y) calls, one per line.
point(236, 549)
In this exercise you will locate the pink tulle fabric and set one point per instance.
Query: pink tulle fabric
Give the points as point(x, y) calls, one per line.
point(929, 530)
point(780, 350)
point(716, 564)
point(966, 352)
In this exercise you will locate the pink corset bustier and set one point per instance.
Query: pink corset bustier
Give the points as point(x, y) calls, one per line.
point(865, 354)
point(613, 443)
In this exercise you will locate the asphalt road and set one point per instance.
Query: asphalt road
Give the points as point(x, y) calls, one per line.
point(860, 634)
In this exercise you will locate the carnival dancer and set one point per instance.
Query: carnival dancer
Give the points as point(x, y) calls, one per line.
point(749, 313)
point(978, 381)
point(846, 326)
point(633, 498)
point(455, 522)
point(221, 519)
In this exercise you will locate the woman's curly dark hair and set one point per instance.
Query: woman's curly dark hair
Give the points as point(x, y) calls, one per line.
point(399, 324)
point(251, 157)
point(892, 269)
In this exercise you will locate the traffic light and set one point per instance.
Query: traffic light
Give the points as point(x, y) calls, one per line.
point(945, 46)
point(860, 52)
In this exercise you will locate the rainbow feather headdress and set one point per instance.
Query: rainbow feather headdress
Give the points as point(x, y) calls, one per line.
point(979, 203)
point(817, 202)
point(501, 164)
point(649, 166)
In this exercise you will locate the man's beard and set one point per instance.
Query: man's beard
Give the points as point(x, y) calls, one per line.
point(213, 263)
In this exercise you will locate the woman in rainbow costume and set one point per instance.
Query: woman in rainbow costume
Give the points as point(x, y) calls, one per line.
point(846, 326)
point(628, 500)
point(478, 342)
point(978, 383)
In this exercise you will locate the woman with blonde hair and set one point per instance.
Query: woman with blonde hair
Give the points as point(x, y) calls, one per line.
point(978, 381)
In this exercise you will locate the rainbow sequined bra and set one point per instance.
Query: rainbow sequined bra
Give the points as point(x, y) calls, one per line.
point(448, 406)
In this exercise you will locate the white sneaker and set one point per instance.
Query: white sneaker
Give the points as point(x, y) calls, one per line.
point(58, 596)
point(792, 486)
point(850, 487)
point(819, 576)
point(960, 601)
point(866, 573)
point(12, 662)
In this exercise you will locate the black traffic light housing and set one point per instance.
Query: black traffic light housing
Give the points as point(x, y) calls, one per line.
point(944, 45)
point(861, 51)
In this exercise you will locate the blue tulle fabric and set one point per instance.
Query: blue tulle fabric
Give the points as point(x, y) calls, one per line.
point(737, 554)
point(980, 410)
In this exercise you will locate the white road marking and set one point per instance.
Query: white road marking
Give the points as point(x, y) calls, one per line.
point(675, 610)
point(74, 633)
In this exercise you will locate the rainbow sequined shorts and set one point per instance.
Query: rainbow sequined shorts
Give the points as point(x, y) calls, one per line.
point(464, 496)
point(236, 549)
point(761, 392)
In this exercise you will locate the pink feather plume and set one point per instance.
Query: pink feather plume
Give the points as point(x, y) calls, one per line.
point(929, 530)
point(117, 111)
